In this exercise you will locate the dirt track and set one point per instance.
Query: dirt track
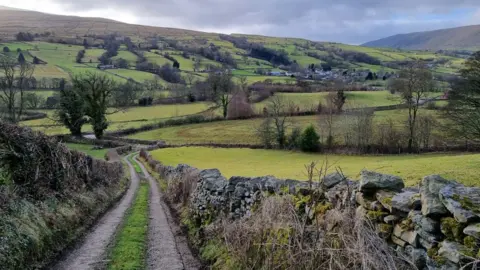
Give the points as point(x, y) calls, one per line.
point(91, 252)
point(167, 247)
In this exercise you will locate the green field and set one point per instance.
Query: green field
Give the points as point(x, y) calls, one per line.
point(244, 131)
point(129, 56)
point(129, 118)
point(354, 99)
point(290, 165)
point(87, 149)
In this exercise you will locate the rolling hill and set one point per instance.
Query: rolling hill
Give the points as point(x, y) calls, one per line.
point(14, 20)
point(459, 38)
point(59, 38)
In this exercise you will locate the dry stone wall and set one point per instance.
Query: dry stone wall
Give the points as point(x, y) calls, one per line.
point(435, 225)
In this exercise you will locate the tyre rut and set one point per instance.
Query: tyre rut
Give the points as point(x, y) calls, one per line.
point(90, 254)
point(167, 247)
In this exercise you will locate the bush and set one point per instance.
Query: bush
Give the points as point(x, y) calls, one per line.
point(239, 108)
point(309, 141)
point(294, 140)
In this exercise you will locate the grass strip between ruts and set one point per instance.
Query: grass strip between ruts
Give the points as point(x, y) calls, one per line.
point(131, 243)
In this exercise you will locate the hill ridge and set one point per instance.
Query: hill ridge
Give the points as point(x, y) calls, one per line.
point(462, 37)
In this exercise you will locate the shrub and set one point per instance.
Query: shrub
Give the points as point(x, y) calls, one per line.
point(239, 108)
point(294, 140)
point(309, 141)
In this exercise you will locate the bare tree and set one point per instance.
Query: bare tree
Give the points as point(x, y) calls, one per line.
point(222, 89)
point(15, 80)
point(413, 84)
point(33, 101)
point(190, 79)
point(277, 110)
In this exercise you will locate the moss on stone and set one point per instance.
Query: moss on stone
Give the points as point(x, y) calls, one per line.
point(466, 203)
point(470, 242)
point(407, 225)
point(452, 229)
point(387, 201)
point(385, 228)
point(375, 215)
point(432, 252)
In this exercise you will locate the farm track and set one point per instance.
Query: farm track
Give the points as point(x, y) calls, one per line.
point(167, 247)
point(91, 252)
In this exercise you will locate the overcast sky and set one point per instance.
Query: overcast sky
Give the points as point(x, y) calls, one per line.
point(347, 21)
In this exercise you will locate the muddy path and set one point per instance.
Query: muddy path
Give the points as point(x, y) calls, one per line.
point(167, 246)
point(91, 252)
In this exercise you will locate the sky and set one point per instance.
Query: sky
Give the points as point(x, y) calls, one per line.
point(346, 21)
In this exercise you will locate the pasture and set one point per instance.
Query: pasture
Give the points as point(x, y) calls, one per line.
point(123, 119)
point(355, 99)
point(290, 165)
point(245, 131)
point(87, 149)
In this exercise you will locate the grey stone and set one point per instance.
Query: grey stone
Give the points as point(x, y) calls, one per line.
point(430, 225)
point(406, 201)
point(429, 237)
point(463, 202)
point(473, 230)
point(452, 251)
point(398, 241)
point(417, 255)
point(410, 237)
point(372, 181)
point(377, 206)
point(333, 179)
point(391, 219)
point(364, 200)
point(431, 204)
point(385, 198)
point(426, 244)
point(432, 265)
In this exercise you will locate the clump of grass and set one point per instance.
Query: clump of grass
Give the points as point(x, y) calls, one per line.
point(131, 243)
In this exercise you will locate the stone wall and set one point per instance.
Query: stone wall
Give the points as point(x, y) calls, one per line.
point(436, 225)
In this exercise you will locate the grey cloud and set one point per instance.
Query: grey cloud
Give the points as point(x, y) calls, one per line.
point(351, 21)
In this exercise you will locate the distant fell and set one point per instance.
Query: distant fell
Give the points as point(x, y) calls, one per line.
point(459, 38)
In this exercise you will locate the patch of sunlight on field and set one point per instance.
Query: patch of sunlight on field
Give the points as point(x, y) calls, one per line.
point(290, 165)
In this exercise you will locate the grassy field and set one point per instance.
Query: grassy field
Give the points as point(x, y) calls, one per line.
point(245, 131)
point(290, 165)
point(131, 243)
point(133, 117)
point(354, 99)
point(129, 56)
point(87, 149)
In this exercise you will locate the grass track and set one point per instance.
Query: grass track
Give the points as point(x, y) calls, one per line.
point(284, 164)
point(131, 244)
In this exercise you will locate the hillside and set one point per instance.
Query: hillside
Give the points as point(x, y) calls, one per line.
point(459, 38)
point(58, 39)
point(13, 21)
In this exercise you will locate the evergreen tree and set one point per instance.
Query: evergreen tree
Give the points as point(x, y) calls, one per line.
point(310, 141)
